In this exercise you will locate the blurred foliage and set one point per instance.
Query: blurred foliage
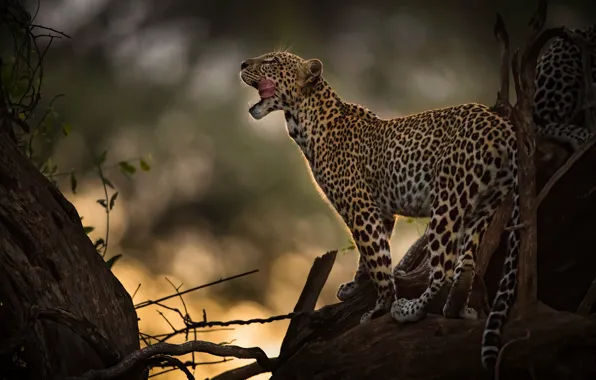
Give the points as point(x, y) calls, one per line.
point(21, 80)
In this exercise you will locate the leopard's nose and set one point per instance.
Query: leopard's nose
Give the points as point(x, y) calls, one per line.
point(244, 65)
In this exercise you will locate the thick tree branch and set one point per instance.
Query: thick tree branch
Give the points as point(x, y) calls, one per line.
point(134, 359)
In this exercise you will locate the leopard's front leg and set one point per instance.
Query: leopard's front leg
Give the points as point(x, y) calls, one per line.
point(349, 289)
point(372, 239)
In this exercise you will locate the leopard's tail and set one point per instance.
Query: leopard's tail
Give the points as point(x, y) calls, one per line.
point(491, 339)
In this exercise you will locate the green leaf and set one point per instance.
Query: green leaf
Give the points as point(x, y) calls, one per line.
point(108, 183)
point(99, 243)
point(48, 122)
point(144, 166)
point(102, 158)
point(66, 129)
point(73, 183)
point(410, 220)
point(88, 229)
point(126, 168)
point(103, 203)
point(113, 199)
point(112, 260)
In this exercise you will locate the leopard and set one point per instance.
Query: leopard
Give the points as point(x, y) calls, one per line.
point(558, 87)
point(454, 165)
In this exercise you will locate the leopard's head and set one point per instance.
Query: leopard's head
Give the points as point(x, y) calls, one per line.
point(282, 80)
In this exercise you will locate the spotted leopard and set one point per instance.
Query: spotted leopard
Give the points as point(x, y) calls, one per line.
point(453, 165)
point(559, 80)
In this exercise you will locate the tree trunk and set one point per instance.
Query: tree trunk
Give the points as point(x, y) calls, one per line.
point(62, 312)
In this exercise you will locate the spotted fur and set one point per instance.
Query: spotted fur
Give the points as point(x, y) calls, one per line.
point(454, 165)
point(559, 81)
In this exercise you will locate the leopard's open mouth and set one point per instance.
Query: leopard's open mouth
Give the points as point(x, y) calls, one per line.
point(265, 87)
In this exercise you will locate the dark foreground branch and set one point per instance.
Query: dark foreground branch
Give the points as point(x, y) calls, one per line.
point(386, 349)
point(137, 361)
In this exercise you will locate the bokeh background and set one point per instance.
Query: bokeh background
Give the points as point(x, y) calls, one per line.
point(227, 194)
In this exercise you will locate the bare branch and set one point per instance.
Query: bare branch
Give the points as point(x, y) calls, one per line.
point(198, 325)
point(133, 360)
point(149, 302)
point(502, 105)
point(243, 372)
point(164, 360)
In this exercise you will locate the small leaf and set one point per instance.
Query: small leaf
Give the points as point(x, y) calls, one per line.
point(108, 183)
point(66, 129)
point(48, 122)
point(144, 166)
point(99, 243)
point(103, 203)
point(22, 116)
point(73, 183)
point(102, 158)
point(88, 229)
point(410, 220)
point(112, 260)
point(113, 199)
point(126, 168)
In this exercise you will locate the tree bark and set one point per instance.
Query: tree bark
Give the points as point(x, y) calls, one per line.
point(62, 312)
point(558, 345)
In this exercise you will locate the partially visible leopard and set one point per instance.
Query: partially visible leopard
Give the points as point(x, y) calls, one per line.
point(454, 165)
point(559, 81)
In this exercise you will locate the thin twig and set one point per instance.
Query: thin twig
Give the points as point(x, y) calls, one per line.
point(124, 368)
point(193, 365)
point(150, 302)
point(50, 29)
point(502, 105)
point(244, 372)
point(236, 322)
point(135, 292)
point(165, 360)
point(166, 319)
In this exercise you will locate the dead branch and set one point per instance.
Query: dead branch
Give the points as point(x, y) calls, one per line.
point(414, 256)
point(315, 281)
point(317, 277)
point(141, 356)
point(164, 360)
point(177, 294)
point(526, 143)
point(502, 104)
point(244, 372)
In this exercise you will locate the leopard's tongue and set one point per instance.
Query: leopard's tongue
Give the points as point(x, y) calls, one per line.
point(266, 88)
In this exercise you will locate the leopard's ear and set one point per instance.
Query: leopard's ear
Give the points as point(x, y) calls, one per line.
point(310, 73)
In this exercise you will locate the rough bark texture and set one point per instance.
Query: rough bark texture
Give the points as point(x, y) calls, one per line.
point(440, 348)
point(62, 312)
